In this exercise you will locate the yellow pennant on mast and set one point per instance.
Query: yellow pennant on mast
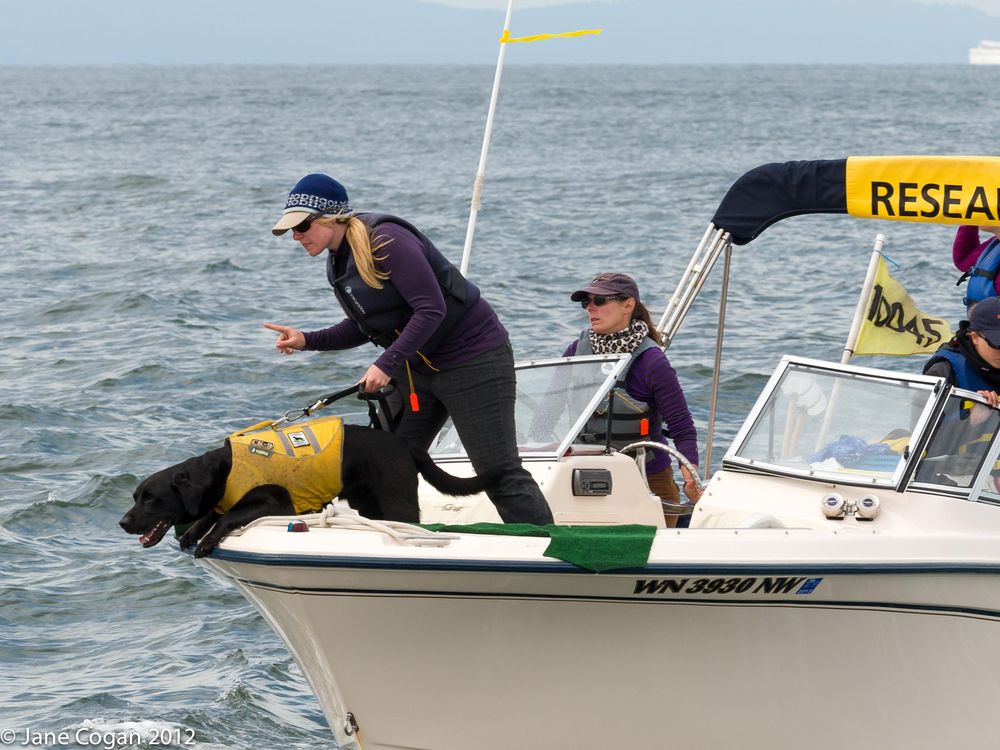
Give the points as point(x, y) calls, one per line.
point(893, 324)
point(506, 38)
point(477, 188)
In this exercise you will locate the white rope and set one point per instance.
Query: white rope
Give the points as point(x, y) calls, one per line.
point(338, 514)
point(342, 515)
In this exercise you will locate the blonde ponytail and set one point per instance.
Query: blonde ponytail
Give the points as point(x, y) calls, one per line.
point(360, 242)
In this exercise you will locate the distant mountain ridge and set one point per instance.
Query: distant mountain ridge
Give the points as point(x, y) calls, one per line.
point(416, 32)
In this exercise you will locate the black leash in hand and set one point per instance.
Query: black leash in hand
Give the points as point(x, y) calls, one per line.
point(379, 397)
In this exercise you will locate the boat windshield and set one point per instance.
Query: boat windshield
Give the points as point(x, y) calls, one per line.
point(844, 425)
point(961, 443)
point(554, 400)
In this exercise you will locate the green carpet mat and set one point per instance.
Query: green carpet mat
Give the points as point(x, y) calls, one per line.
point(597, 548)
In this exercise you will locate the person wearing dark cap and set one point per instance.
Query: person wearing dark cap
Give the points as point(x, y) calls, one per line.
point(620, 324)
point(971, 360)
point(441, 337)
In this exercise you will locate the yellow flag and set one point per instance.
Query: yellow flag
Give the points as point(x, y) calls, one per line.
point(894, 325)
point(506, 38)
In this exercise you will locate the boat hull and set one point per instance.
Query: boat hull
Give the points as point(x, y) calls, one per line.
point(441, 652)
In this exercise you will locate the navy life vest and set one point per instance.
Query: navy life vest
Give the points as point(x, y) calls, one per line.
point(382, 313)
point(983, 274)
point(631, 419)
point(967, 377)
point(966, 374)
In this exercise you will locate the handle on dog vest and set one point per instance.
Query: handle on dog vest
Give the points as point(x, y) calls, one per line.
point(253, 428)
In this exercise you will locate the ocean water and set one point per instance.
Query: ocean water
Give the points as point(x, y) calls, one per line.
point(138, 269)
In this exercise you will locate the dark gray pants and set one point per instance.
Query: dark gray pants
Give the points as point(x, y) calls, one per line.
point(478, 395)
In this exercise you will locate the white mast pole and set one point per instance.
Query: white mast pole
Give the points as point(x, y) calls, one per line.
point(477, 189)
point(852, 337)
point(862, 308)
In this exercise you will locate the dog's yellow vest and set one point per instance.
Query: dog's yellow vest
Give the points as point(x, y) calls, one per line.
point(304, 458)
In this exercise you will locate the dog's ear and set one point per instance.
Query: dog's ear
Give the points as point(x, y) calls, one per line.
point(190, 491)
point(200, 481)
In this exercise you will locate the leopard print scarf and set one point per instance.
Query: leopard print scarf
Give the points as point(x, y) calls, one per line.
point(623, 342)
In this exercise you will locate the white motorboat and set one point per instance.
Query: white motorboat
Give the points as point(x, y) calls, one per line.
point(839, 585)
point(987, 53)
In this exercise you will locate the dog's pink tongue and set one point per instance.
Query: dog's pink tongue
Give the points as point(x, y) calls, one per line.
point(154, 534)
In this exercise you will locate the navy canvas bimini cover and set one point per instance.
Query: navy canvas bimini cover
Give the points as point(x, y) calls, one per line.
point(772, 192)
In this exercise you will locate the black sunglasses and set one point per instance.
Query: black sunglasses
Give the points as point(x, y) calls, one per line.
point(988, 342)
point(303, 226)
point(599, 300)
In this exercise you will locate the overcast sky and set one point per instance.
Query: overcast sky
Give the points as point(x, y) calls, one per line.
point(990, 6)
point(410, 32)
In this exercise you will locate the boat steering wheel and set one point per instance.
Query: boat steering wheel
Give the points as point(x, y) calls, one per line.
point(685, 506)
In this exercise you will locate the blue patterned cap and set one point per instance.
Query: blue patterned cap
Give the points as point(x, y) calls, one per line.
point(313, 194)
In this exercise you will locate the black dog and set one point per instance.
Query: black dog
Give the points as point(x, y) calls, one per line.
point(379, 478)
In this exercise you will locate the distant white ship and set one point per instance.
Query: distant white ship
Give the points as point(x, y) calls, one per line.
point(987, 53)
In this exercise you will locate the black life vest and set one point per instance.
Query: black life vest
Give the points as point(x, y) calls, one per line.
point(382, 313)
point(631, 419)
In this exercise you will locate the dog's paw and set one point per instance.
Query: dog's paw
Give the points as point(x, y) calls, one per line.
point(207, 545)
point(186, 540)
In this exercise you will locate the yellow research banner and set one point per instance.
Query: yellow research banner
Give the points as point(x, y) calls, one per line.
point(894, 325)
point(938, 189)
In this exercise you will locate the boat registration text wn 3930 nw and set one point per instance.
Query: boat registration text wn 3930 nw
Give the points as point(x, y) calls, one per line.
point(839, 585)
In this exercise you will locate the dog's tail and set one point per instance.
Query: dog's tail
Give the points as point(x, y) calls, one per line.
point(447, 483)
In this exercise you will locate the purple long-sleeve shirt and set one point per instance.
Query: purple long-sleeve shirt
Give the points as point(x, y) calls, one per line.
point(479, 330)
point(652, 379)
point(967, 248)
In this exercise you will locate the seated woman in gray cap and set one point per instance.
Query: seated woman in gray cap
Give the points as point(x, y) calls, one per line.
point(440, 336)
point(620, 324)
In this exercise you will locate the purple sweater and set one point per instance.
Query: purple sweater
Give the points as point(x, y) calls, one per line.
point(967, 248)
point(477, 332)
point(653, 380)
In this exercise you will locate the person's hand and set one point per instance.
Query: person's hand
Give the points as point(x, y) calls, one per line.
point(691, 488)
point(289, 339)
point(980, 413)
point(373, 379)
point(991, 397)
